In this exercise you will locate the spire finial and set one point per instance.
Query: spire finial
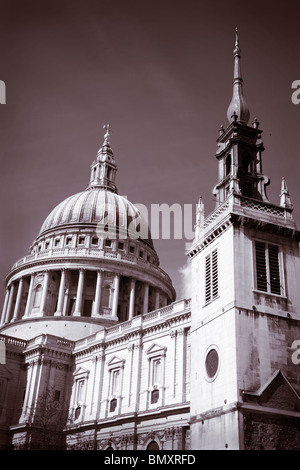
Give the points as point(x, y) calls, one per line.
point(238, 104)
point(236, 39)
point(107, 134)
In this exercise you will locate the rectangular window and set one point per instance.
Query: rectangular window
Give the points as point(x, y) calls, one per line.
point(68, 240)
point(156, 372)
point(211, 276)
point(267, 268)
point(95, 240)
point(80, 390)
point(155, 379)
point(115, 382)
point(81, 240)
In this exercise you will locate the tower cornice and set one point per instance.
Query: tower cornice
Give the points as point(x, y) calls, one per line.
point(241, 211)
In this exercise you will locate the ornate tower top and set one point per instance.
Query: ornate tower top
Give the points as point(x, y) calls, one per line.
point(103, 170)
point(238, 109)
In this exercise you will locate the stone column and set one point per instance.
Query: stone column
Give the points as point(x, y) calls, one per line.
point(44, 293)
point(78, 305)
point(116, 295)
point(29, 296)
point(146, 297)
point(65, 306)
point(96, 310)
point(61, 293)
point(132, 299)
point(18, 300)
point(10, 303)
point(4, 306)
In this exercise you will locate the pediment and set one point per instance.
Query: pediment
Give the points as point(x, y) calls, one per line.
point(116, 361)
point(80, 371)
point(156, 349)
point(277, 393)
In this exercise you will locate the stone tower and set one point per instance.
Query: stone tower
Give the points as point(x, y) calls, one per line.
point(245, 301)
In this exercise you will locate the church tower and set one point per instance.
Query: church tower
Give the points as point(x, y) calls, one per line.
point(245, 300)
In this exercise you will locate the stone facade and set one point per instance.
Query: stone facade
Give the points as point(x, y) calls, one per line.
point(100, 355)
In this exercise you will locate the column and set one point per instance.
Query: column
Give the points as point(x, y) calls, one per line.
point(44, 293)
point(66, 298)
point(157, 299)
point(10, 303)
point(146, 297)
point(116, 295)
point(78, 305)
point(29, 296)
point(4, 306)
point(96, 310)
point(132, 299)
point(61, 293)
point(18, 300)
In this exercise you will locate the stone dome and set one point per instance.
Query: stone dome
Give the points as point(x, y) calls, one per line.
point(93, 264)
point(113, 215)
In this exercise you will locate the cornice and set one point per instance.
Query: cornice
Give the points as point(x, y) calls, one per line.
point(125, 337)
point(93, 264)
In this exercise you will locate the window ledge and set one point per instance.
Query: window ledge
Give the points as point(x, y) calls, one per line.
point(270, 294)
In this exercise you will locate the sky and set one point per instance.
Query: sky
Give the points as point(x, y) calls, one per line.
point(160, 72)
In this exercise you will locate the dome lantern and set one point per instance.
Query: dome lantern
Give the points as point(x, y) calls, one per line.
point(103, 170)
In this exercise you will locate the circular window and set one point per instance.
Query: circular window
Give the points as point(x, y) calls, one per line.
point(212, 363)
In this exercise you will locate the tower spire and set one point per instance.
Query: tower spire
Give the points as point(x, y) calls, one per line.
point(238, 109)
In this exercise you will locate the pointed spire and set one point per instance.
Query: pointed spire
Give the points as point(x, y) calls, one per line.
point(285, 200)
point(103, 170)
point(238, 109)
point(199, 218)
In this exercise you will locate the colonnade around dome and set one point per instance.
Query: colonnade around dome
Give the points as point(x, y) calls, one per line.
point(80, 292)
point(74, 273)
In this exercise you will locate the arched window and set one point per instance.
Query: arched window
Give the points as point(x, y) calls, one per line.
point(37, 295)
point(154, 396)
point(113, 405)
point(153, 446)
point(77, 412)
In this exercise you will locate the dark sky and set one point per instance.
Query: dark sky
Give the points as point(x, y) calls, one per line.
point(160, 72)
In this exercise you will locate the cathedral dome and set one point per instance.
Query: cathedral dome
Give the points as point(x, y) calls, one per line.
point(93, 264)
point(113, 215)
